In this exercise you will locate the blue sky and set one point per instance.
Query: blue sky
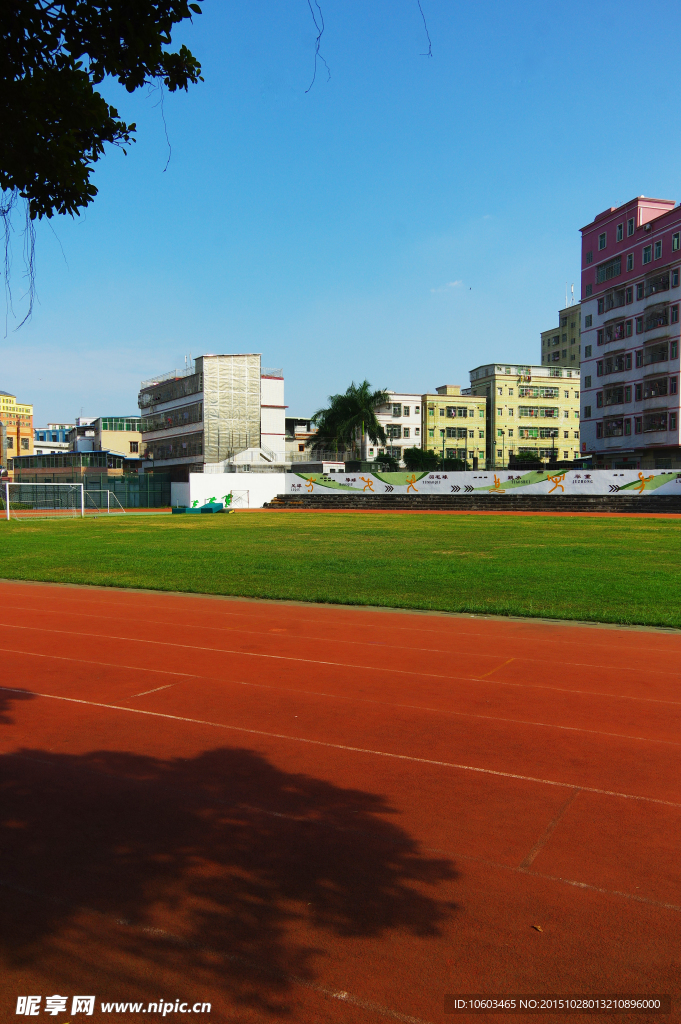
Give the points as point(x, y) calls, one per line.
point(405, 221)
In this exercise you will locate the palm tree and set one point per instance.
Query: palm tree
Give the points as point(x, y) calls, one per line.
point(349, 416)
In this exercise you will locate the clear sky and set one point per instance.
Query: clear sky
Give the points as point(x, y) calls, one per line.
point(404, 221)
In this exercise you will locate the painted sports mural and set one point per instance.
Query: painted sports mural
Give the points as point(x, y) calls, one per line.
point(573, 481)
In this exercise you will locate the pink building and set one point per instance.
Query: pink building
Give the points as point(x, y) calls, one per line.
point(631, 259)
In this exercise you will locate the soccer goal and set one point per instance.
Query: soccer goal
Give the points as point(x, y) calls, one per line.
point(102, 503)
point(42, 501)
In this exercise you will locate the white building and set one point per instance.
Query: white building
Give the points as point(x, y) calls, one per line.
point(222, 412)
point(401, 420)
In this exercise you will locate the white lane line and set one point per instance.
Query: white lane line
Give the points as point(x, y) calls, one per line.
point(374, 645)
point(362, 700)
point(342, 746)
point(548, 831)
point(284, 657)
point(145, 692)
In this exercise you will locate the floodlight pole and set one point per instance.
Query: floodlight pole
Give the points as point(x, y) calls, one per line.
point(7, 500)
point(82, 501)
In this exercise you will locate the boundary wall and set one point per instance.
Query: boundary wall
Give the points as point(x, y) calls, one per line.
point(627, 482)
point(253, 489)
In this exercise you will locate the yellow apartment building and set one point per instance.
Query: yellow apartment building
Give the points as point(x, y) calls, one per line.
point(453, 425)
point(18, 421)
point(561, 346)
point(532, 412)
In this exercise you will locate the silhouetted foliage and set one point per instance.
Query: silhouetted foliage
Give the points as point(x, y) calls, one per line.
point(420, 459)
point(220, 868)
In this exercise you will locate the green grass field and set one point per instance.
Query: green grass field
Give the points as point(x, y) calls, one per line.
point(608, 570)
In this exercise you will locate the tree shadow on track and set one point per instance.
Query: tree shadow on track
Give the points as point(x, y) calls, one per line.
point(221, 873)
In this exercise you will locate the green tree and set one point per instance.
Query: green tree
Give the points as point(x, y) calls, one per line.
point(420, 459)
point(348, 419)
point(54, 123)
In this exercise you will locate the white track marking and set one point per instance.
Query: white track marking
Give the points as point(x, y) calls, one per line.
point(373, 644)
point(145, 692)
point(284, 657)
point(361, 700)
point(341, 746)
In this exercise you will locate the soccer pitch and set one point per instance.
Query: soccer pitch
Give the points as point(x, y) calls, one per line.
point(618, 570)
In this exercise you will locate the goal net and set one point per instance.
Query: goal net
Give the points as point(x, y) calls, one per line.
point(42, 501)
point(100, 503)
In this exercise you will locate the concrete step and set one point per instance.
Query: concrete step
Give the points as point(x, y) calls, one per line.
point(664, 503)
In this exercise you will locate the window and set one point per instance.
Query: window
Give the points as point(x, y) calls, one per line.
point(647, 253)
point(602, 241)
point(672, 385)
point(510, 432)
point(393, 430)
point(431, 412)
point(416, 410)
point(500, 411)
point(613, 428)
point(601, 306)
point(442, 412)
point(675, 242)
point(673, 350)
point(499, 455)
point(654, 422)
point(510, 411)
point(431, 433)
point(588, 320)
point(600, 337)
point(657, 284)
point(630, 261)
point(405, 410)
point(599, 368)
point(134, 446)
point(638, 392)
point(639, 358)
point(638, 424)
point(672, 421)
point(397, 409)
point(481, 433)
point(628, 328)
point(630, 226)
point(589, 256)
point(658, 249)
point(675, 314)
point(655, 354)
point(639, 325)
point(405, 432)
point(627, 393)
point(657, 318)
point(10, 442)
point(301, 447)
point(510, 391)
point(620, 232)
point(587, 382)
point(627, 427)
point(655, 388)
point(606, 271)
point(675, 278)
point(599, 430)
point(417, 431)
point(640, 290)
point(588, 290)
point(576, 435)
point(587, 353)
point(566, 433)
point(481, 413)
point(599, 400)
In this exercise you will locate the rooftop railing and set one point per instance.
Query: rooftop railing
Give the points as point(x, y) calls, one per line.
point(185, 371)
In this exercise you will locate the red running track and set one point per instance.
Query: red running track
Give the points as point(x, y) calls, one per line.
point(314, 814)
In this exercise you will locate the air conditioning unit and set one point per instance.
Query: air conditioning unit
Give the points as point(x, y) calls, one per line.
point(647, 227)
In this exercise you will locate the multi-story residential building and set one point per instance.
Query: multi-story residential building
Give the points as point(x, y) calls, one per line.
point(119, 434)
point(453, 424)
point(561, 345)
point(631, 293)
point(222, 410)
point(18, 420)
point(400, 417)
point(532, 412)
point(298, 431)
point(52, 438)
